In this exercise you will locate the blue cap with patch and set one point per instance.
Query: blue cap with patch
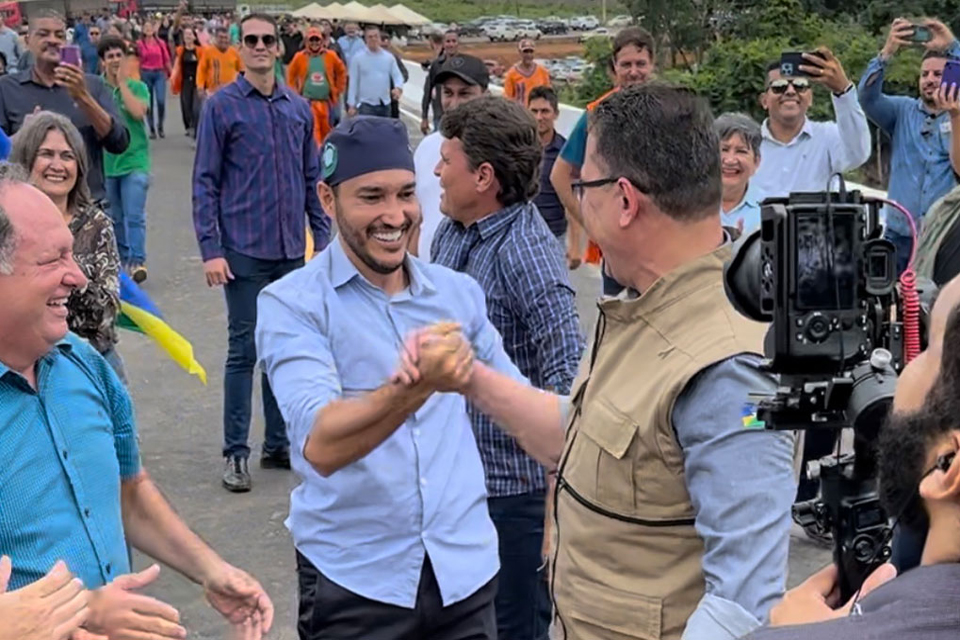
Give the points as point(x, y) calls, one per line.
point(364, 144)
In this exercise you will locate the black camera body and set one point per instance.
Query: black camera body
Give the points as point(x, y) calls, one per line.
point(820, 272)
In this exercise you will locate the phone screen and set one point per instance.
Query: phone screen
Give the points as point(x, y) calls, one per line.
point(951, 73)
point(70, 54)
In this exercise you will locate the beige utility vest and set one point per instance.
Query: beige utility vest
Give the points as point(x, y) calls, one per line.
point(627, 557)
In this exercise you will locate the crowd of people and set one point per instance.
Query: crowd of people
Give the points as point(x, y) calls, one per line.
point(469, 465)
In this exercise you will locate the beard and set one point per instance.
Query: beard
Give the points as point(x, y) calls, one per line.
point(356, 240)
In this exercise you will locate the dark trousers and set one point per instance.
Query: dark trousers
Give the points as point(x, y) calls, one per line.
point(250, 276)
point(382, 110)
point(395, 109)
point(189, 104)
point(330, 612)
point(523, 600)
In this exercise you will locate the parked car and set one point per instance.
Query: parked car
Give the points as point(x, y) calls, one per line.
point(584, 23)
point(472, 29)
point(620, 21)
point(601, 32)
point(552, 27)
point(528, 29)
point(501, 31)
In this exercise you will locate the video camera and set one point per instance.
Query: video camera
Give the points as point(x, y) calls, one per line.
point(821, 273)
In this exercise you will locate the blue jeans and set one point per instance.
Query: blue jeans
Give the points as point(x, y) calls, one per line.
point(156, 82)
point(128, 209)
point(250, 276)
point(904, 245)
point(523, 601)
point(382, 110)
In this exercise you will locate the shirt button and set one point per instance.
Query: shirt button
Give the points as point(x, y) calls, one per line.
point(416, 433)
point(109, 567)
point(423, 482)
point(64, 454)
point(86, 512)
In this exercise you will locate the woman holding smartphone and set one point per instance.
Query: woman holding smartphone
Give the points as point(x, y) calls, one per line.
point(155, 67)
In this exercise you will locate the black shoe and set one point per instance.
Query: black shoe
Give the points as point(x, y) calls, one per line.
point(818, 535)
point(161, 133)
point(153, 135)
point(278, 460)
point(236, 478)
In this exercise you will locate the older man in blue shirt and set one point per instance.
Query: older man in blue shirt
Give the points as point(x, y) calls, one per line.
point(390, 519)
point(72, 487)
point(921, 171)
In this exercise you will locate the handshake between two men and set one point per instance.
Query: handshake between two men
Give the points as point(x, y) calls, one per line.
point(437, 357)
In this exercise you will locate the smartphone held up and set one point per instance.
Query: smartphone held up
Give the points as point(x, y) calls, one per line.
point(70, 54)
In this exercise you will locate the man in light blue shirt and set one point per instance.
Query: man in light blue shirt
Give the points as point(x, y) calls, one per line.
point(740, 140)
point(798, 153)
point(371, 73)
point(921, 171)
point(351, 42)
point(390, 519)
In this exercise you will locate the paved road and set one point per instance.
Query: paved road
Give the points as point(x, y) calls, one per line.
point(180, 420)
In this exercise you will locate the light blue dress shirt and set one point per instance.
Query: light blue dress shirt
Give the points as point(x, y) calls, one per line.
point(920, 169)
point(66, 447)
point(324, 333)
point(748, 210)
point(805, 163)
point(371, 75)
point(351, 47)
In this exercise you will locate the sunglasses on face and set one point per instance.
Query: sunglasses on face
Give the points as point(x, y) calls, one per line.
point(526, 51)
point(313, 39)
point(779, 87)
point(251, 40)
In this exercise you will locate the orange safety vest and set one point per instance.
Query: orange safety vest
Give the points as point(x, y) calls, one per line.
point(593, 254)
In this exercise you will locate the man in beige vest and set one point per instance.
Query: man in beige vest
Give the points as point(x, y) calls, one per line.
point(672, 511)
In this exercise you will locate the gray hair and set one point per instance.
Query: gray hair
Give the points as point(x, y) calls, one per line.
point(730, 124)
point(661, 138)
point(27, 142)
point(9, 174)
point(44, 14)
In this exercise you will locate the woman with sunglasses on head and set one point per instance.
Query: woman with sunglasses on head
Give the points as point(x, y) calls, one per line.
point(51, 150)
point(155, 67)
point(188, 58)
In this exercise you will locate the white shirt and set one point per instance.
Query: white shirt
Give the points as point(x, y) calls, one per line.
point(820, 150)
point(425, 160)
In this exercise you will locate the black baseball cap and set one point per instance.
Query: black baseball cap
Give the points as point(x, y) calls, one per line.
point(470, 69)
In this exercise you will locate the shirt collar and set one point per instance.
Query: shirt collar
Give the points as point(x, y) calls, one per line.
point(23, 77)
point(556, 143)
point(247, 89)
point(62, 346)
point(806, 130)
point(342, 271)
point(493, 223)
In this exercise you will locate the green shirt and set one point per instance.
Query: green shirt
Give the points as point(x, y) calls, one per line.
point(234, 33)
point(137, 155)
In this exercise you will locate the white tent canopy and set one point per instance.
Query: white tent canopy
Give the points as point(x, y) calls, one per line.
point(385, 16)
point(355, 11)
point(314, 11)
point(409, 16)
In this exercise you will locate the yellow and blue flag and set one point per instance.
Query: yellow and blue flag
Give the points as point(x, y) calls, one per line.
point(139, 313)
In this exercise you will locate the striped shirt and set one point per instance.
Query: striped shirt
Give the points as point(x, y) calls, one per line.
point(521, 268)
point(65, 448)
point(255, 175)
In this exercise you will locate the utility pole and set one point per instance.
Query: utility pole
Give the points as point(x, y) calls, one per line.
point(603, 12)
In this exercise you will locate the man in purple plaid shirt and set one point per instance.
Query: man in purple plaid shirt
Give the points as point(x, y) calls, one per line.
point(254, 177)
point(489, 172)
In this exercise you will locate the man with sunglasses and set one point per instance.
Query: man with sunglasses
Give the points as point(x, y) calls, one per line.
point(660, 530)
point(798, 153)
point(921, 171)
point(919, 484)
point(320, 76)
point(254, 177)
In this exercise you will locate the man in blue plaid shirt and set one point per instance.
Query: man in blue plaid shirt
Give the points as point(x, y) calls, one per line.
point(489, 172)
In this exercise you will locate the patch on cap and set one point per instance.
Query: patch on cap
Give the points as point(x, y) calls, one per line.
point(328, 160)
point(456, 62)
